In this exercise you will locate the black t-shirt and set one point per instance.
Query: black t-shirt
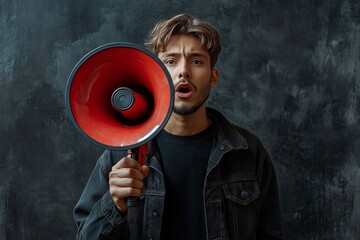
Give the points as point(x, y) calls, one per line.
point(184, 163)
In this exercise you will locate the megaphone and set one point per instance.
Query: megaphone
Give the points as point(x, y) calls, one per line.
point(119, 96)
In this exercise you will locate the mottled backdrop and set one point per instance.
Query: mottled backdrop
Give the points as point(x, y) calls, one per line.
point(289, 71)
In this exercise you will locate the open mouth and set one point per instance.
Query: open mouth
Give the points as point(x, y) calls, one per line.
point(184, 90)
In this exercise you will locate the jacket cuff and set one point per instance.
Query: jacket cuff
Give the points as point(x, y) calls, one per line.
point(110, 211)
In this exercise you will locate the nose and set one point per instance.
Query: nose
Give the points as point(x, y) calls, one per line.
point(184, 70)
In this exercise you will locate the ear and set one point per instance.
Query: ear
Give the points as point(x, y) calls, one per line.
point(214, 77)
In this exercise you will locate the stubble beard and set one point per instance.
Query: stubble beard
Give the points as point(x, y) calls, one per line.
point(187, 110)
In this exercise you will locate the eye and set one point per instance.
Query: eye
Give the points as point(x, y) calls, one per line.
point(197, 62)
point(169, 62)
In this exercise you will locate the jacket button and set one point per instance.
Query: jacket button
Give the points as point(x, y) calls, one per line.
point(244, 195)
point(155, 213)
point(222, 147)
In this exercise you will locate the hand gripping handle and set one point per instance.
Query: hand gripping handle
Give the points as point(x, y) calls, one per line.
point(138, 154)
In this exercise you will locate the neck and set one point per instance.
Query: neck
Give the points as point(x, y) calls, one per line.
point(187, 125)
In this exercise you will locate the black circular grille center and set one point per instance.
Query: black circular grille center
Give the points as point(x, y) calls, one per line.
point(122, 98)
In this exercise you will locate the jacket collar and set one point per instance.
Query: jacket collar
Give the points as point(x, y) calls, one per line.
point(226, 132)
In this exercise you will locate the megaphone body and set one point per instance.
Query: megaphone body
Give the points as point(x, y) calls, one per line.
point(119, 96)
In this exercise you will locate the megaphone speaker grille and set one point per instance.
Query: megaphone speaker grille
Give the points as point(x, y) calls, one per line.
point(122, 99)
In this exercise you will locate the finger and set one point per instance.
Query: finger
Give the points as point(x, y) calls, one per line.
point(126, 173)
point(127, 162)
point(118, 193)
point(145, 170)
point(126, 182)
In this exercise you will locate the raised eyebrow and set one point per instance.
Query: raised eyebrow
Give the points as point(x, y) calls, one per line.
point(192, 54)
point(198, 54)
point(166, 55)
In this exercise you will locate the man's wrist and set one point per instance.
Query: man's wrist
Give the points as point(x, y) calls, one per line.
point(121, 210)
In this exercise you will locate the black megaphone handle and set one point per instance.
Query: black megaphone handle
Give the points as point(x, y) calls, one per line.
point(133, 201)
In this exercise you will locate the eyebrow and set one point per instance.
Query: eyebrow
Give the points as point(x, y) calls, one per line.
point(192, 54)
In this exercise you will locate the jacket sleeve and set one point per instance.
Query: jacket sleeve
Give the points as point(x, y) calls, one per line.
point(95, 213)
point(269, 225)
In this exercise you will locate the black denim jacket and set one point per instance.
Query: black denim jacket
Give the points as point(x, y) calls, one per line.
point(240, 193)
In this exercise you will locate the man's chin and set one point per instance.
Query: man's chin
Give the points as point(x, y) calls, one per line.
point(186, 110)
point(183, 112)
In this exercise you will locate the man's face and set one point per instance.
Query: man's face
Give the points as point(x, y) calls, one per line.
point(190, 69)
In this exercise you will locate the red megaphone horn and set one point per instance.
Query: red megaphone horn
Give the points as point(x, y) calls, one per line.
point(119, 96)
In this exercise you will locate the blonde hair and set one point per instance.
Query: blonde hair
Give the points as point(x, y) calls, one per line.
point(208, 36)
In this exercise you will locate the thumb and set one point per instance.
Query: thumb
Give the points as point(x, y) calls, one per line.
point(145, 170)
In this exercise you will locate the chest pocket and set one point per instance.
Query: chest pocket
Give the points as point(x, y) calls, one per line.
point(242, 192)
point(240, 208)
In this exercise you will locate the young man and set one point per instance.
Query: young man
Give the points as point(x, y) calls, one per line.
point(204, 178)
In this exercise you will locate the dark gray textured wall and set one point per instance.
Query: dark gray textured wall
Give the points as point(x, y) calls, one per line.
point(289, 71)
